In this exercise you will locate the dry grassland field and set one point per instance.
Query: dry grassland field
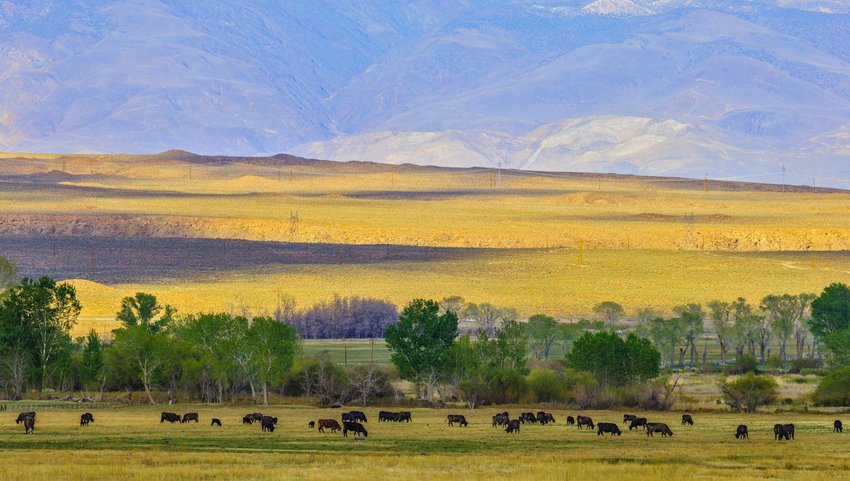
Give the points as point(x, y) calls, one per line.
point(130, 443)
point(217, 233)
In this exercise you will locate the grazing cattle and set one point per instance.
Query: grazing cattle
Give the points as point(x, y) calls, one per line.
point(545, 418)
point(687, 420)
point(779, 433)
point(189, 417)
point(355, 428)
point(386, 416)
point(513, 426)
point(22, 416)
point(268, 423)
point(583, 421)
point(500, 420)
point(789, 429)
point(257, 417)
point(527, 418)
point(405, 416)
point(249, 419)
point(571, 421)
point(608, 428)
point(215, 422)
point(637, 423)
point(86, 418)
point(330, 424)
point(170, 417)
point(311, 424)
point(354, 416)
point(628, 418)
point(662, 428)
point(837, 426)
point(742, 432)
point(456, 418)
point(29, 424)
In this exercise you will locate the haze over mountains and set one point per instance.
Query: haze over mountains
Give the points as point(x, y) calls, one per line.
point(663, 87)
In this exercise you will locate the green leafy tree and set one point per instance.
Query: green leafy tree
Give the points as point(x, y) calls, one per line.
point(8, 272)
point(275, 345)
point(750, 391)
point(143, 309)
point(667, 334)
point(692, 317)
point(138, 354)
point(419, 342)
point(610, 312)
point(720, 315)
point(91, 363)
point(215, 337)
point(830, 322)
point(542, 332)
point(643, 360)
point(604, 355)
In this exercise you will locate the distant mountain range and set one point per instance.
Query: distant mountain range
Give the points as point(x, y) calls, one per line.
point(661, 87)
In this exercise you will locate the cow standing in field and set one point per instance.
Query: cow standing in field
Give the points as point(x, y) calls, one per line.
point(571, 421)
point(170, 417)
point(628, 418)
point(189, 417)
point(513, 426)
point(687, 420)
point(608, 428)
point(23, 416)
point(215, 422)
point(500, 420)
point(545, 418)
point(405, 416)
point(249, 419)
point(583, 421)
point(789, 429)
point(837, 426)
point(354, 427)
point(637, 423)
point(457, 418)
point(268, 423)
point(29, 424)
point(331, 424)
point(742, 432)
point(662, 428)
point(86, 418)
point(385, 416)
point(311, 424)
point(779, 433)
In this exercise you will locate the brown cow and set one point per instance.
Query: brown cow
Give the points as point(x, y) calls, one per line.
point(658, 428)
point(331, 424)
point(29, 424)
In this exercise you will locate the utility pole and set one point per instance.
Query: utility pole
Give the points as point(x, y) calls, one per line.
point(705, 183)
point(783, 177)
point(581, 252)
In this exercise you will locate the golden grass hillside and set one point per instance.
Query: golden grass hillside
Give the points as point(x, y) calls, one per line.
point(555, 243)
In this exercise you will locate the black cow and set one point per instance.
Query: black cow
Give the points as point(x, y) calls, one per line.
point(215, 422)
point(29, 424)
point(249, 419)
point(456, 418)
point(189, 417)
point(662, 428)
point(170, 417)
point(311, 424)
point(637, 423)
point(86, 418)
point(545, 418)
point(500, 420)
point(268, 423)
point(513, 426)
point(571, 421)
point(742, 432)
point(405, 416)
point(837, 426)
point(355, 428)
point(354, 416)
point(22, 416)
point(257, 417)
point(386, 416)
point(628, 418)
point(789, 429)
point(527, 418)
point(585, 421)
point(779, 433)
point(687, 420)
point(608, 428)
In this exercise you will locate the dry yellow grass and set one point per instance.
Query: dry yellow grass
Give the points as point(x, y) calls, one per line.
point(646, 242)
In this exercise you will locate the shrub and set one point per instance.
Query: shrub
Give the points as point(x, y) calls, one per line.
point(545, 385)
point(746, 363)
point(834, 389)
point(798, 365)
point(750, 391)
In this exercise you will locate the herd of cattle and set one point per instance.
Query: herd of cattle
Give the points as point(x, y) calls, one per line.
point(352, 422)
